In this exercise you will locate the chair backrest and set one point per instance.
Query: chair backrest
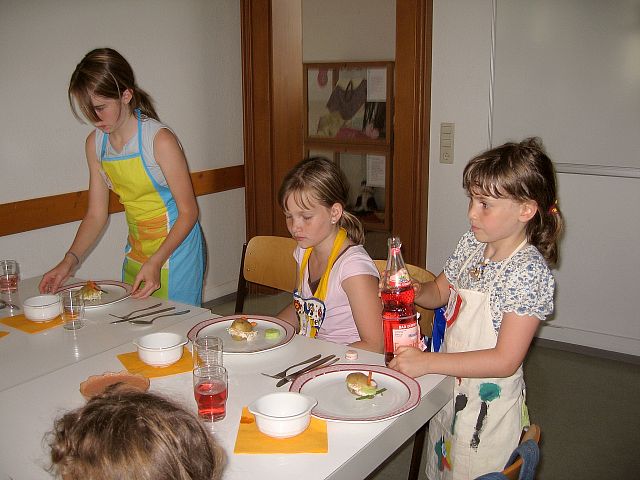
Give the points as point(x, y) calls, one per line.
point(420, 275)
point(268, 260)
point(512, 472)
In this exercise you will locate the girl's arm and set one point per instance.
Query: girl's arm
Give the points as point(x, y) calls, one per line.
point(514, 338)
point(288, 314)
point(173, 164)
point(91, 226)
point(433, 294)
point(362, 292)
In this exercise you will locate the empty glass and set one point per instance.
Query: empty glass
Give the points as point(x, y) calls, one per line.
point(207, 351)
point(72, 310)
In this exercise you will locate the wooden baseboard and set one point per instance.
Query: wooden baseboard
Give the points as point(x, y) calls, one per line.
point(35, 213)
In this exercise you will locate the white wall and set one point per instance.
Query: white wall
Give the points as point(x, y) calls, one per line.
point(602, 228)
point(347, 31)
point(186, 54)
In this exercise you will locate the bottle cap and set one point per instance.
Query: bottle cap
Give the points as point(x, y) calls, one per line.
point(351, 355)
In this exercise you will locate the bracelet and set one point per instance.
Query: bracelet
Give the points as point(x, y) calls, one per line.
point(74, 256)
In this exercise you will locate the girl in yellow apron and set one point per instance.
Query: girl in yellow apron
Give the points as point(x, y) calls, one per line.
point(497, 287)
point(142, 161)
point(336, 298)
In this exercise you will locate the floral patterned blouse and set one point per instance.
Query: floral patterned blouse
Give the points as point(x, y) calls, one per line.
point(525, 287)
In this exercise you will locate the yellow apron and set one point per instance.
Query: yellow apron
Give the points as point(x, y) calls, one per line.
point(311, 311)
point(476, 431)
point(151, 211)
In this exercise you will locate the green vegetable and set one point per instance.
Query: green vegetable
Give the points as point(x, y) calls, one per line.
point(369, 397)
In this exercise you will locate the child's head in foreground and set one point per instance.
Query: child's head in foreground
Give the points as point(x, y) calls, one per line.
point(133, 435)
point(522, 172)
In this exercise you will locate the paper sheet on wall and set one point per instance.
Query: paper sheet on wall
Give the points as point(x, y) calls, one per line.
point(376, 171)
point(376, 85)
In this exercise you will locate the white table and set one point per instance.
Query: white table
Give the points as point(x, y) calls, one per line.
point(27, 410)
point(27, 356)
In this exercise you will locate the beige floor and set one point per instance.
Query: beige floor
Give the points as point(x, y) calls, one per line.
point(586, 405)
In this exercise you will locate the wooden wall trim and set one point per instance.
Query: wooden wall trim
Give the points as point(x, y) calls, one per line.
point(411, 128)
point(35, 213)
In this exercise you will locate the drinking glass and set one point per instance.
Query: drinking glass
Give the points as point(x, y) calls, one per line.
point(207, 351)
point(210, 387)
point(9, 276)
point(72, 310)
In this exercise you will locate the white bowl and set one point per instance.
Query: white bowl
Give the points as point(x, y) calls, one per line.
point(42, 308)
point(160, 349)
point(283, 414)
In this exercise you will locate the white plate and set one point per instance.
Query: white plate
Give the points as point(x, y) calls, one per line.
point(328, 386)
point(218, 328)
point(115, 292)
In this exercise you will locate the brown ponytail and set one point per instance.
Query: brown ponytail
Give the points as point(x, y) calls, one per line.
point(323, 180)
point(524, 172)
point(106, 73)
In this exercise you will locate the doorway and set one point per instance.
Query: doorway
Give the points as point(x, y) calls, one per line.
point(273, 115)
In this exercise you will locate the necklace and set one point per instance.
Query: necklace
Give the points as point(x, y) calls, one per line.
point(477, 270)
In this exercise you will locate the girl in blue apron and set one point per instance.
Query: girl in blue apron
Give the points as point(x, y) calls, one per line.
point(336, 298)
point(497, 287)
point(133, 154)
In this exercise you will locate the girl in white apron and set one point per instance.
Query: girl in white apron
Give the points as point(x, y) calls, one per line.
point(336, 298)
point(497, 287)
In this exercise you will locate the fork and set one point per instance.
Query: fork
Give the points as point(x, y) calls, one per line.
point(149, 322)
point(125, 317)
point(283, 373)
point(324, 362)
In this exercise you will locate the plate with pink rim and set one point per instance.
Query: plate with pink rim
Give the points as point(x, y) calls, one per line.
point(335, 403)
point(112, 292)
point(218, 328)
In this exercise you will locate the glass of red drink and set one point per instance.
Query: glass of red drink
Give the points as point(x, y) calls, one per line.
point(210, 387)
point(9, 276)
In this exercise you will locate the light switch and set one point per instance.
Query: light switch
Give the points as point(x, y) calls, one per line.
point(447, 131)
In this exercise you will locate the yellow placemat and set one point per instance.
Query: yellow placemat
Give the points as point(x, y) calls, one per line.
point(133, 364)
point(251, 440)
point(3, 334)
point(21, 323)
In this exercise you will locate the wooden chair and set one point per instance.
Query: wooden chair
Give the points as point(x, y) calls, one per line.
point(268, 261)
point(426, 327)
point(512, 472)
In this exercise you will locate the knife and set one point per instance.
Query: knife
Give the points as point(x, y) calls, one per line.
point(144, 315)
point(292, 376)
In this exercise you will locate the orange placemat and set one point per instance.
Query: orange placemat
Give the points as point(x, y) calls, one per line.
point(3, 334)
point(251, 440)
point(133, 364)
point(21, 323)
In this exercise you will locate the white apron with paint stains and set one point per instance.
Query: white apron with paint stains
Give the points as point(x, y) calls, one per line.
point(476, 431)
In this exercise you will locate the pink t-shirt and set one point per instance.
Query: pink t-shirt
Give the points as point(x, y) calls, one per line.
point(339, 325)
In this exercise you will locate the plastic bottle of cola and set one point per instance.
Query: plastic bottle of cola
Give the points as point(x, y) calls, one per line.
point(399, 317)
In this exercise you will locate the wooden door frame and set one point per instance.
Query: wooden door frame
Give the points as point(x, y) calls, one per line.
point(273, 115)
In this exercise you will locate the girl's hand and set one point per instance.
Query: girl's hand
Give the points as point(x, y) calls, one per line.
point(410, 361)
point(55, 277)
point(149, 274)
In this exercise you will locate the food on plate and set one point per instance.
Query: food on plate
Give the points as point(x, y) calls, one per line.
point(363, 386)
point(272, 334)
point(97, 384)
point(90, 291)
point(242, 329)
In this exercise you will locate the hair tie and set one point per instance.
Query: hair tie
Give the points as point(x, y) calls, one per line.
point(554, 208)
